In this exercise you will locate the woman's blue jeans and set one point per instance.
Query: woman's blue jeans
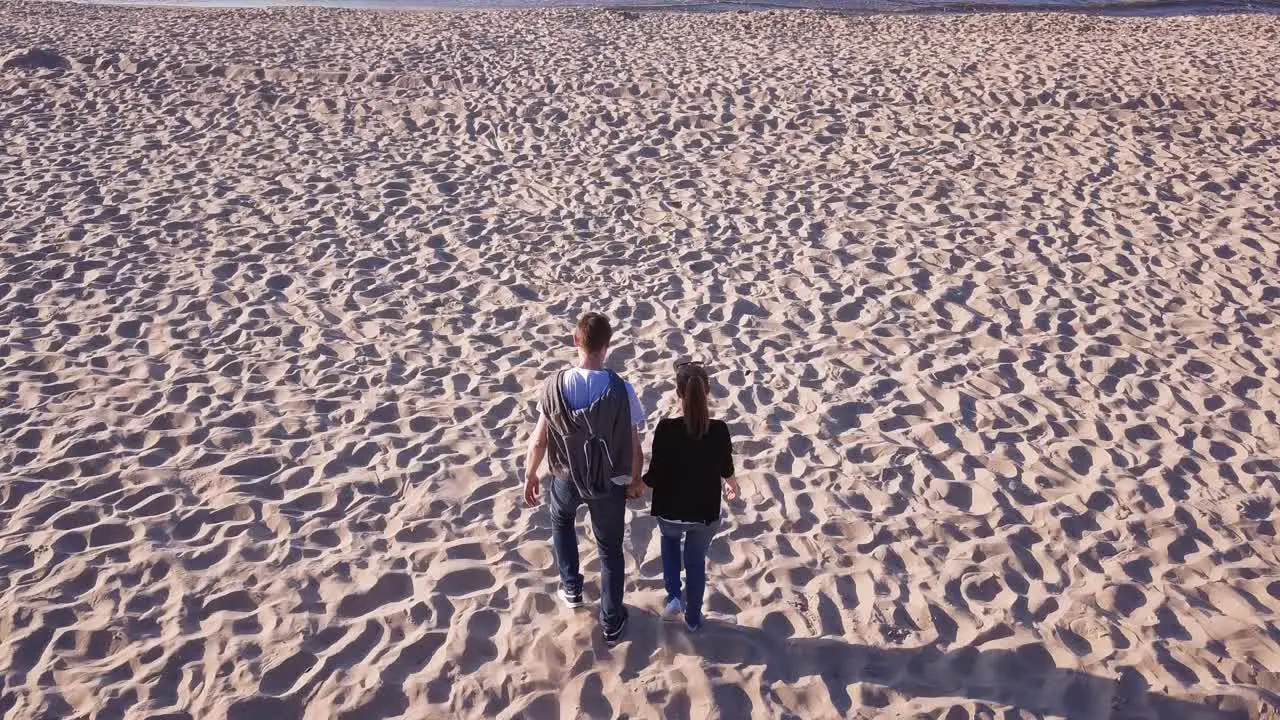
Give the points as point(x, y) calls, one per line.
point(692, 557)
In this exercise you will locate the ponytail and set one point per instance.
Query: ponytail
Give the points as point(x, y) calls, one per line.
point(693, 399)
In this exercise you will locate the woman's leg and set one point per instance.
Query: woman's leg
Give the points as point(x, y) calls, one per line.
point(670, 558)
point(696, 541)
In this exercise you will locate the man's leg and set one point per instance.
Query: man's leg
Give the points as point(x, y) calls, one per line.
point(696, 541)
point(671, 558)
point(608, 522)
point(564, 534)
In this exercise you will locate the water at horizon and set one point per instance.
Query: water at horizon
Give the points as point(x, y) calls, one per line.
point(1109, 7)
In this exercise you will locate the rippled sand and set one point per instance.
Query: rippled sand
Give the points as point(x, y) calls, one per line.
point(991, 301)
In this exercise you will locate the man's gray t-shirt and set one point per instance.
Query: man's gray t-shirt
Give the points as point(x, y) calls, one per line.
point(582, 387)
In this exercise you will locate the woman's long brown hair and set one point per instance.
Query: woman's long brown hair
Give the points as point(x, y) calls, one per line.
point(692, 387)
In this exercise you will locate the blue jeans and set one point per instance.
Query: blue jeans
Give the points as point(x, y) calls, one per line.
point(608, 522)
point(694, 559)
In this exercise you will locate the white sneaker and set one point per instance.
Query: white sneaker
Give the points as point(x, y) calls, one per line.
point(674, 610)
point(573, 602)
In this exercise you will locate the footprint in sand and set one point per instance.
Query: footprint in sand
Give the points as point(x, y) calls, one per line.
point(390, 588)
point(282, 678)
point(466, 581)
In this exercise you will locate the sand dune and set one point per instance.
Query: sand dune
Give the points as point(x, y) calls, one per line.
point(991, 303)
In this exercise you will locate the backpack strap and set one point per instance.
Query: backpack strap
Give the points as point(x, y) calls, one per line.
point(618, 385)
point(552, 400)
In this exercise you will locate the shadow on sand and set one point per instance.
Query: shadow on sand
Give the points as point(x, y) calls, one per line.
point(1025, 677)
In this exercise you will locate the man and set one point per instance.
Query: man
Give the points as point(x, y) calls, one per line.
point(588, 425)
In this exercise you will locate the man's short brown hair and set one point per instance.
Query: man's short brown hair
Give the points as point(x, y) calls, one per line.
point(593, 332)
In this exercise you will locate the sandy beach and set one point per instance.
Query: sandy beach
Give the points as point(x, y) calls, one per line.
point(991, 304)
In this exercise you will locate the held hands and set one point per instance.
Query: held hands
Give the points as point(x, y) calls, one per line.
point(635, 489)
point(532, 489)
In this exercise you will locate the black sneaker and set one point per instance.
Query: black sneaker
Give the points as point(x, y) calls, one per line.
point(572, 600)
point(614, 636)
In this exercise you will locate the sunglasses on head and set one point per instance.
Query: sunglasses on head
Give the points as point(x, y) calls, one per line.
point(689, 364)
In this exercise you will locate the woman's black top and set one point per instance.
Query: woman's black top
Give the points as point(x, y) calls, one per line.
point(685, 471)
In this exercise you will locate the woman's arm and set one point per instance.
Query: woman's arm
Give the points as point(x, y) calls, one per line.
point(657, 458)
point(731, 489)
point(727, 472)
point(726, 452)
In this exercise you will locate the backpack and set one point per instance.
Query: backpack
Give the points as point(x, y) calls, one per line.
point(591, 446)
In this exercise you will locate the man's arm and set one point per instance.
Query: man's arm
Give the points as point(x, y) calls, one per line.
point(636, 488)
point(536, 451)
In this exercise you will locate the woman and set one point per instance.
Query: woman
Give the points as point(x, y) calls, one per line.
point(691, 457)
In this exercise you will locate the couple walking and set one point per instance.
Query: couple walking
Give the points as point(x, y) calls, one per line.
point(589, 428)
